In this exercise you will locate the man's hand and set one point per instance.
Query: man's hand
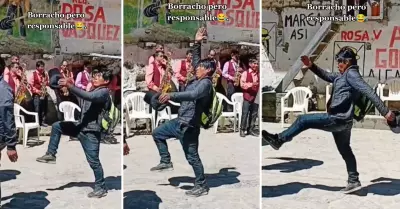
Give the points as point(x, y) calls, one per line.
point(390, 116)
point(164, 98)
point(126, 149)
point(200, 34)
point(12, 155)
point(306, 61)
point(62, 82)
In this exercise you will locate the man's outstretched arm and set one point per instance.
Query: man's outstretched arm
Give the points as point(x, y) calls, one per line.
point(92, 96)
point(357, 82)
point(326, 76)
point(201, 90)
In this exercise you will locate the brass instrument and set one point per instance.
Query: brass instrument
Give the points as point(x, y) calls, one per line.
point(166, 85)
point(215, 78)
point(43, 86)
point(238, 74)
point(189, 74)
point(64, 90)
point(22, 90)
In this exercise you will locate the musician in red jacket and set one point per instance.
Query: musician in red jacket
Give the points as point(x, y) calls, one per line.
point(182, 68)
point(155, 72)
point(250, 84)
point(39, 82)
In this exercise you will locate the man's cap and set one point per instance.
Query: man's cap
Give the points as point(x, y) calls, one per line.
point(346, 53)
point(395, 124)
point(54, 76)
point(151, 98)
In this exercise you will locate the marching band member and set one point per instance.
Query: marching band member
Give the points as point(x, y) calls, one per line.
point(250, 83)
point(229, 72)
point(159, 48)
point(155, 72)
point(182, 68)
point(39, 82)
point(83, 78)
point(63, 94)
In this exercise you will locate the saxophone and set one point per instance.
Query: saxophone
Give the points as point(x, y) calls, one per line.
point(166, 79)
point(237, 75)
point(215, 78)
point(189, 74)
point(43, 86)
point(64, 90)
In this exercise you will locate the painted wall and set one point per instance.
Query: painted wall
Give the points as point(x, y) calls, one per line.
point(35, 40)
point(243, 21)
point(381, 60)
point(136, 23)
point(103, 27)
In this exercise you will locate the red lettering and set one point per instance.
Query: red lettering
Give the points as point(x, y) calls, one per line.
point(100, 15)
point(377, 35)
point(92, 14)
point(239, 18)
point(94, 32)
point(357, 35)
point(395, 36)
point(378, 62)
point(79, 1)
point(393, 58)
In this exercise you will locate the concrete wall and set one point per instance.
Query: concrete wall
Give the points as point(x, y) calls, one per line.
point(381, 60)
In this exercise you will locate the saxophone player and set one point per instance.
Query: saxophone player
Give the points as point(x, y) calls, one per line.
point(182, 68)
point(228, 73)
point(159, 48)
point(13, 79)
point(250, 84)
point(63, 94)
point(155, 72)
point(39, 82)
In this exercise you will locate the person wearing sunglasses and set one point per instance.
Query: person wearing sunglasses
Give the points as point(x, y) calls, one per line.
point(348, 85)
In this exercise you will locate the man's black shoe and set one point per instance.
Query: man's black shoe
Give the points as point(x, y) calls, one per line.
point(198, 191)
point(242, 134)
point(254, 132)
point(44, 125)
point(272, 139)
point(163, 167)
point(98, 193)
point(47, 158)
point(351, 187)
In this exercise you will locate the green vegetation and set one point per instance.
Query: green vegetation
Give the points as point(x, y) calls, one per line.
point(35, 38)
point(131, 13)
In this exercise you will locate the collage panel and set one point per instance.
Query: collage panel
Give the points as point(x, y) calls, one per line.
point(60, 81)
point(330, 107)
point(191, 97)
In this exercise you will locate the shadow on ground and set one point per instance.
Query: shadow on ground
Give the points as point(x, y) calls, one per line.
point(293, 164)
point(223, 177)
point(382, 186)
point(25, 200)
point(7, 175)
point(141, 199)
point(293, 188)
point(112, 183)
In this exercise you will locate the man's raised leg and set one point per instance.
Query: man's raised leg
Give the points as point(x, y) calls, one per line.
point(168, 130)
point(57, 129)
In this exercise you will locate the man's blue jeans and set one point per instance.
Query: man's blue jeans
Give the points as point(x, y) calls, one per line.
point(189, 138)
point(90, 142)
point(341, 131)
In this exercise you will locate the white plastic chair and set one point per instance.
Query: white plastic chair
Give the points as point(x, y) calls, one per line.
point(68, 108)
point(394, 90)
point(137, 108)
point(300, 101)
point(165, 114)
point(233, 114)
point(170, 112)
point(23, 126)
point(238, 99)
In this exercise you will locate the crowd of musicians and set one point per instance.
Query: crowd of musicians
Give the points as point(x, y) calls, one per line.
point(32, 92)
point(231, 76)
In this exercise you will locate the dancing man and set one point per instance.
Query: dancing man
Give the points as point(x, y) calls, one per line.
point(194, 100)
point(250, 83)
point(88, 130)
point(348, 85)
point(8, 134)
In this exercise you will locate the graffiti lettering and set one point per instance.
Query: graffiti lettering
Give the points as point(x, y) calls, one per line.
point(95, 22)
point(299, 23)
point(387, 73)
point(240, 13)
point(360, 35)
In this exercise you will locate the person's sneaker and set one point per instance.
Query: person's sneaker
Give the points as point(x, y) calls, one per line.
point(351, 187)
point(242, 134)
point(47, 158)
point(272, 139)
point(254, 132)
point(98, 193)
point(198, 191)
point(163, 167)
